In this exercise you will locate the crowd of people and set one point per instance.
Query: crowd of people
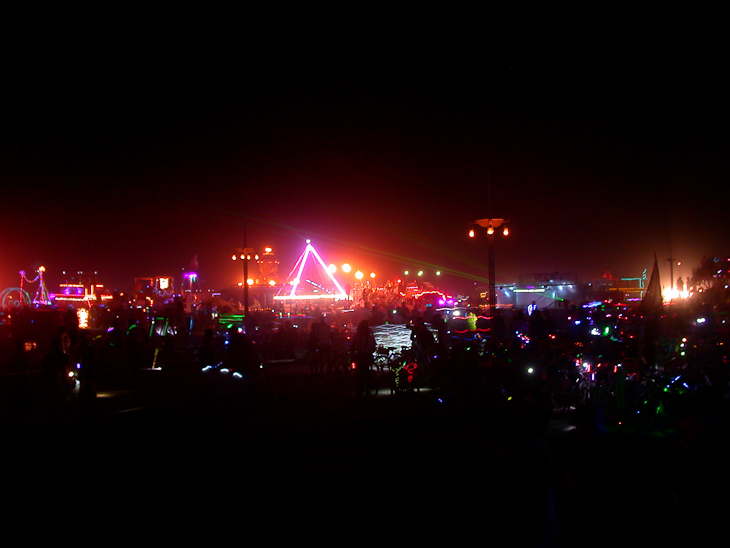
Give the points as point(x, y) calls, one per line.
point(118, 351)
point(522, 369)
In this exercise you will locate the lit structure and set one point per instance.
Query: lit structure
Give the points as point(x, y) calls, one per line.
point(191, 283)
point(14, 297)
point(546, 290)
point(245, 255)
point(490, 225)
point(191, 291)
point(41, 294)
point(268, 266)
point(155, 290)
point(81, 294)
point(80, 289)
point(83, 316)
point(311, 279)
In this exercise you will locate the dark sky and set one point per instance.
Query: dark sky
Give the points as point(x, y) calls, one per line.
point(131, 161)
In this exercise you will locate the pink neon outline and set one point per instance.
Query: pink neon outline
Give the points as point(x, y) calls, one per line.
point(324, 267)
point(301, 268)
point(301, 262)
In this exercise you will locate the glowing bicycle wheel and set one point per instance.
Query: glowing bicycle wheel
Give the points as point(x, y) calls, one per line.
point(14, 297)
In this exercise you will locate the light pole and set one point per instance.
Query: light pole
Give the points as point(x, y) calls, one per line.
point(490, 225)
point(347, 269)
point(245, 254)
point(359, 276)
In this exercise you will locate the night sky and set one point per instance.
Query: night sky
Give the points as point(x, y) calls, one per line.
point(382, 151)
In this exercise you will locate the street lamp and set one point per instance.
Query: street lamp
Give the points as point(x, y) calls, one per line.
point(245, 254)
point(490, 225)
point(346, 268)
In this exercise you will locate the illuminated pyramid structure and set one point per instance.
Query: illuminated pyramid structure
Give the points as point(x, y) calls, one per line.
point(310, 279)
point(41, 295)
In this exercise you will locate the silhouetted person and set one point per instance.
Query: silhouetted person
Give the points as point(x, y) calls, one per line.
point(649, 342)
point(312, 339)
point(207, 354)
point(324, 344)
point(87, 371)
point(363, 347)
point(54, 370)
point(439, 324)
point(537, 324)
point(584, 495)
point(422, 338)
point(534, 479)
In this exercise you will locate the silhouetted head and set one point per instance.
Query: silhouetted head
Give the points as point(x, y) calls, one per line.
point(363, 326)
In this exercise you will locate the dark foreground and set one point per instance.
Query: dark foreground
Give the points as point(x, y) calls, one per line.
point(304, 460)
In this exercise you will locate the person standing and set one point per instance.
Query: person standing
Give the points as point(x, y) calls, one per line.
point(363, 347)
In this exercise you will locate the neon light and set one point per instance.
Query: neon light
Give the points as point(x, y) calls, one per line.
point(299, 267)
point(318, 286)
point(306, 297)
point(41, 295)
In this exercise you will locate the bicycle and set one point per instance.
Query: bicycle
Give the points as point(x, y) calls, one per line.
point(403, 368)
point(383, 358)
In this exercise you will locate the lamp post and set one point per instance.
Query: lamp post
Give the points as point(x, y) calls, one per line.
point(245, 254)
point(490, 225)
point(347, 269)
point(359, 276)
